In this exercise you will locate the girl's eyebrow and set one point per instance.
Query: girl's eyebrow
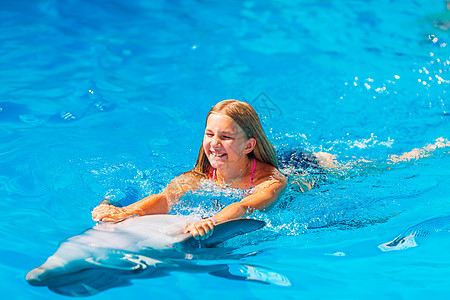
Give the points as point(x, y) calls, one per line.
point(228, 132)
point(222, 132)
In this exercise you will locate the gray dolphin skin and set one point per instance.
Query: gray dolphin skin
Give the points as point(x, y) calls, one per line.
point(111, 254)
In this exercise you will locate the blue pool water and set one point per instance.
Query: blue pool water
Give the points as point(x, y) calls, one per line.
point(100, 96)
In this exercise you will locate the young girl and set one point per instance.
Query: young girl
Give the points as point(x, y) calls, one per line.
point(235, 153)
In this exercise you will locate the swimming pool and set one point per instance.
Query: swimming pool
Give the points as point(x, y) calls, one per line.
point(99, 96)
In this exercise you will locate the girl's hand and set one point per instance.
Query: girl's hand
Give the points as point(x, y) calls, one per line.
point(201, 230)
point(110, 213)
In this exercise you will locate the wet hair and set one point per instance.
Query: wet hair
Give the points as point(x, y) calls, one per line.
point(247, 119)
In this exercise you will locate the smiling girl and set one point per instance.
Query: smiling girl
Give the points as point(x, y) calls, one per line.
point(235, 153)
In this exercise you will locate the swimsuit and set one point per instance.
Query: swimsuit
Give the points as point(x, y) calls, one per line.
point(303, 162)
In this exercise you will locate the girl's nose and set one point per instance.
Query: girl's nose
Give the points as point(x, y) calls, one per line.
point(215, 142)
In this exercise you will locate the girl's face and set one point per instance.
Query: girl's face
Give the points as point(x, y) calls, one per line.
point(225, 143)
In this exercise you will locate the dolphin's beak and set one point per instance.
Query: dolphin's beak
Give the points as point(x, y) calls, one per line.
point(34, 276)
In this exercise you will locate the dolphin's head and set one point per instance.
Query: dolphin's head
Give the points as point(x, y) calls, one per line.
point(69, 258)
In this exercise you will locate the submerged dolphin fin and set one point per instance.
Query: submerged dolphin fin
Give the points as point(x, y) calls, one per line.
point(222, 232)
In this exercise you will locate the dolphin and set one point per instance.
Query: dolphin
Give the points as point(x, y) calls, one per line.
point(407, 238)
point(111, 254)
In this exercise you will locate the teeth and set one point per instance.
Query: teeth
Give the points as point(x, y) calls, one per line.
point(217, 154)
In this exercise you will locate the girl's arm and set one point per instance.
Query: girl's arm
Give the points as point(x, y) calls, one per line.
point(264, 197)
point(151, 205)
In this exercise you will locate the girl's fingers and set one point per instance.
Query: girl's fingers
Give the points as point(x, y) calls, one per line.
point(201, 230)
point(187, 228)
point(107, 213)
point(205, 229)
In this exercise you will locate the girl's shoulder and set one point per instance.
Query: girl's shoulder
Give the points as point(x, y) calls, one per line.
point(266, 172)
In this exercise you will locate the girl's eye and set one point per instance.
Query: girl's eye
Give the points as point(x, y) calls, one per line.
point(227, 137)
point(209, 134)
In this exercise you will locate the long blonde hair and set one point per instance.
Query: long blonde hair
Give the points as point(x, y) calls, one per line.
point(246, 117)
